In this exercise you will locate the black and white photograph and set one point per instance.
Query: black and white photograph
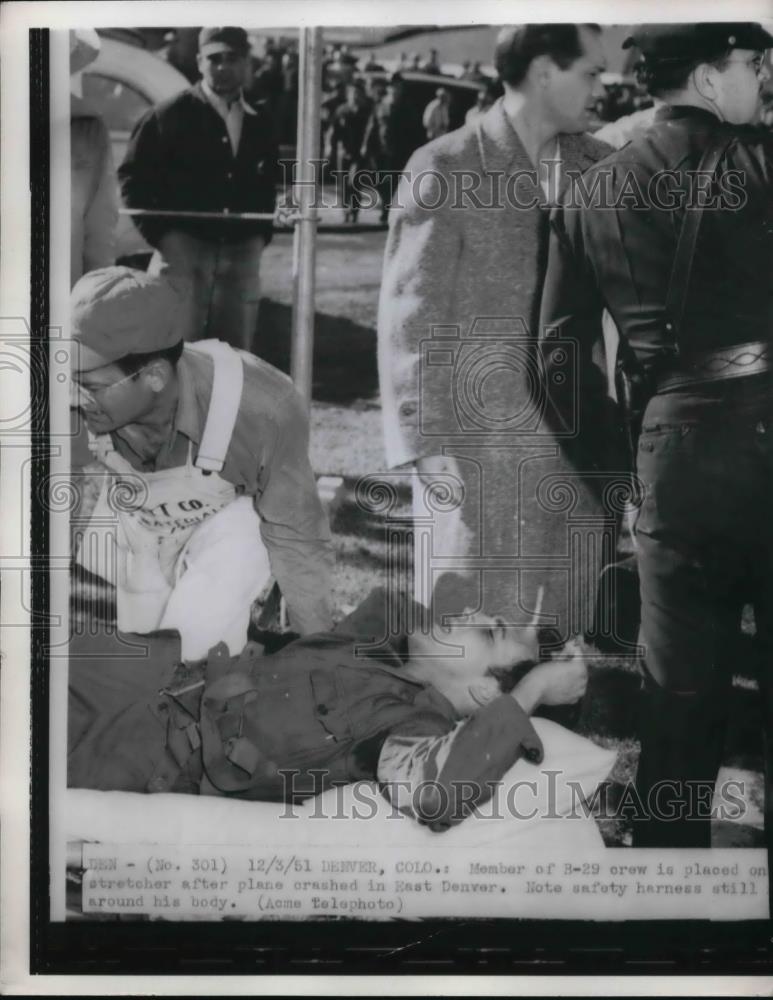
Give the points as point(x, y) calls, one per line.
point(396, 492)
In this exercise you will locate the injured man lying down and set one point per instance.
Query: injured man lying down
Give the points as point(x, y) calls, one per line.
point(433, 716)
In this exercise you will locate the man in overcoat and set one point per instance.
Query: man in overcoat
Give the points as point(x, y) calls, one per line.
point(494, 500)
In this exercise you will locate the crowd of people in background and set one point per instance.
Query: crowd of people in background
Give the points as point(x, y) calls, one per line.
point(376, 111)
point(274, 74)
point(378, 108)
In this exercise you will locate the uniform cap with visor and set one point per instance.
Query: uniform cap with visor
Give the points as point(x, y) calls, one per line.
point(232, 38)
point(697, 42)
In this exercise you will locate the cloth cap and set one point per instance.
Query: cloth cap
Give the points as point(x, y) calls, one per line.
point(234, 38)
point(689, 42)
point(117, 311)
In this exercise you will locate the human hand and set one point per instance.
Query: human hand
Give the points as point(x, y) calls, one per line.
point(561, 681)
point(286, 210)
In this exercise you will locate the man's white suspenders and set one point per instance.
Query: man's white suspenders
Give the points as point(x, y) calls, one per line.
point(227, 384)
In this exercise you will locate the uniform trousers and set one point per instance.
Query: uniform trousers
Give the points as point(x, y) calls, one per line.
point(705, 549)
point(221, 283)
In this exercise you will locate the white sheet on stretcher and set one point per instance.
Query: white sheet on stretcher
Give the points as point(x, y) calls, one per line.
point(549, 793)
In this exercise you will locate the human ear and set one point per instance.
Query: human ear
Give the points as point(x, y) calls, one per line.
point(704, 78)
point(157, 376)
point(540, 70)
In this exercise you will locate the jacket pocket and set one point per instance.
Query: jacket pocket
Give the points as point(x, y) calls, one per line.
point(329, 707)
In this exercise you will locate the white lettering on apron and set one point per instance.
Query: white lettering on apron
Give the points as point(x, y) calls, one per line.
point(143, 520)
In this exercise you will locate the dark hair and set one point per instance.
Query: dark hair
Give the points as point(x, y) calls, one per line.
point(133, 362)
point(517, 48)
point(664, 76)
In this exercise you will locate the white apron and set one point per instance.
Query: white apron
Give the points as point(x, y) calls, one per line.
point(150, 532)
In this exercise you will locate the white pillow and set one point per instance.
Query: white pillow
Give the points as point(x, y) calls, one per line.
point(358, 814)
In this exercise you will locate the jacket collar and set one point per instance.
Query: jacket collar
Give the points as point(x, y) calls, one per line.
point(498, 142)
point(502, 150)
point(199, 90)
point(678, 112)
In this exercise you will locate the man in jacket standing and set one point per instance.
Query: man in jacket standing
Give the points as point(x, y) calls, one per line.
point(208, 150)
point(458, 315)
point(672, 234)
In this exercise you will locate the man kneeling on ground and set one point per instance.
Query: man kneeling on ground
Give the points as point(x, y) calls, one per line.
point(202, 455)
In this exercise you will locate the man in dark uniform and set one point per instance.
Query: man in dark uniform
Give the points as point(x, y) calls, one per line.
point(673, 235)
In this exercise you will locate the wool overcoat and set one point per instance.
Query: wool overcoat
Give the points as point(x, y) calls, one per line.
point(463, 272)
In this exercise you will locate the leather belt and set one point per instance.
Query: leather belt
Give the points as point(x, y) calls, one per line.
point(735, 361)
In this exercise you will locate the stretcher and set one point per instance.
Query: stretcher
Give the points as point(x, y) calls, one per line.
point(536, 811)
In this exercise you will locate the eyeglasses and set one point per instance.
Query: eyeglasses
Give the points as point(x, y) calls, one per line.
point(755, 63)
point(91, 395)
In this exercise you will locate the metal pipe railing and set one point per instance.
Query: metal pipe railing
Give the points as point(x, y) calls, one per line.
point(304, 190)
point(168, 213)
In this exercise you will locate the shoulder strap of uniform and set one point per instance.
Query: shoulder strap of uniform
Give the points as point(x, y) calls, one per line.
point(228, 380)
point(679, 284)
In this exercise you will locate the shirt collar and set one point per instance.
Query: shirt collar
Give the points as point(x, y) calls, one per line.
point(219, 104)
